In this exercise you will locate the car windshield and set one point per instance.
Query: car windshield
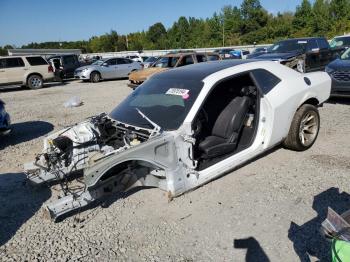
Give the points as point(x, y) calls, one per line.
point(150, 59)
point(164, 101)
point(166, 62)
point(98, 62)
point(288, 46)
point(340, 41)
point(346, 55)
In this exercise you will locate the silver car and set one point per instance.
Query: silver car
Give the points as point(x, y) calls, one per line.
point(108, 68)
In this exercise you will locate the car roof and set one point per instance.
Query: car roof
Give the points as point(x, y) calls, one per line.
point(200, 71)
point(301, 39)
point(17, 56)
point(342, 36)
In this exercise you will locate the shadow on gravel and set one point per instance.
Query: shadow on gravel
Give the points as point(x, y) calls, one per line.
point(104, 202)
point(254, 250)
point(19, 202)
point(307, 238)
point(25, 131)
point(339, 100)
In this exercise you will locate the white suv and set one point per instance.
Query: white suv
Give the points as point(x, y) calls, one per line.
point(30, 71)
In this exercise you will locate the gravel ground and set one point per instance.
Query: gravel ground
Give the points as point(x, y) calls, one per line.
point(268, 210)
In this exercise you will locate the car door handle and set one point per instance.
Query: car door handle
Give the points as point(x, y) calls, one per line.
point(25, 68)
point(2, 71)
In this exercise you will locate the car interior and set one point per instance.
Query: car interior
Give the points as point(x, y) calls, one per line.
point(227, 121)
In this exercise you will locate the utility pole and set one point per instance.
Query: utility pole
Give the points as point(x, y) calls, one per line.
point(223, 31)
point(127, 42)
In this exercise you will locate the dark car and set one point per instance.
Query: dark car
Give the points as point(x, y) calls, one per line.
point(340, 42)
point(65, 64)
point(224, 53)
point(257, 52)
point(5, 120)
point(339, 70)
point(302, 54)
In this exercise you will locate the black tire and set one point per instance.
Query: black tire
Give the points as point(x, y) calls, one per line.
point(35, 82)
point(95, 77)
point(304, 129)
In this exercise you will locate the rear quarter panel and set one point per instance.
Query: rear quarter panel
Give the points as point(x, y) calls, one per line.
point(42, 70)
point(290, 94)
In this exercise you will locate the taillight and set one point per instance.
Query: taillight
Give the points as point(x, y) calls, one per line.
point(50, 69)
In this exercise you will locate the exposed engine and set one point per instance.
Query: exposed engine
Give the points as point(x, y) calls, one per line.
point(79, 146)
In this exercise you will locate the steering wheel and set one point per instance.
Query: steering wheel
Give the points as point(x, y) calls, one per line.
point(201, 119)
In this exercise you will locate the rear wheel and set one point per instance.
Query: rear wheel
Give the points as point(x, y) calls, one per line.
point(35, 82)
point(304, 128)
point(95, 77)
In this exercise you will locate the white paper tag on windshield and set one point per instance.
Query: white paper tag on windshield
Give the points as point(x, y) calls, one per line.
point(302, 42)
point(177, 92)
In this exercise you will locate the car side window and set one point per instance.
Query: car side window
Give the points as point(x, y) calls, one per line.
point(68, 60)
point(322, 43)
point(122, 61)
point(111, 61)
point(312, 44)
point(266, 80)
point(201, 58)
point(36, 60)
point(173, 61)
point(213, 57)
point(188, 60)
point(2, 63)
point(14, 62)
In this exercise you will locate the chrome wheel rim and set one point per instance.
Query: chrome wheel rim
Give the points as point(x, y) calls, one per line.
point(308, 128)
point(35, 82)
point(96, 77)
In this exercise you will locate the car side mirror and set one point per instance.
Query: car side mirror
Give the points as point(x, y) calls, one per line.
point(105, 64)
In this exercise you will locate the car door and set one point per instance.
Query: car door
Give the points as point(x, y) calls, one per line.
point(3, 77)
point(124, 67)
point(312, 62)
point(325, 52)
point(109, 69)
point(70, 63)
point(15, 69)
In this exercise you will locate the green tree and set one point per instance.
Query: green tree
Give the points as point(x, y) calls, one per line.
point(302, 23)
point(321, 23)
point(156, 35)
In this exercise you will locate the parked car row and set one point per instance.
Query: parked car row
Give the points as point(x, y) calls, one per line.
point(302, 54)
point(167, 62)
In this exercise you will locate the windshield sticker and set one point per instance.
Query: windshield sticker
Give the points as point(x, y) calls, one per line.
point(302, 42)
point(178, 92)
point(186, 96)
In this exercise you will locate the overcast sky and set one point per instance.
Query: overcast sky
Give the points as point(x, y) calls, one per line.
point(25, 21)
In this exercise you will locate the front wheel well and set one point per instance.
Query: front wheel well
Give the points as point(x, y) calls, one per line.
point(311, 101)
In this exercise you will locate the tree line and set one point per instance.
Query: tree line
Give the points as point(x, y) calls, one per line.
point(247, 24)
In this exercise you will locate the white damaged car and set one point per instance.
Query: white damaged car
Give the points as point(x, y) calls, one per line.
point(181, 129)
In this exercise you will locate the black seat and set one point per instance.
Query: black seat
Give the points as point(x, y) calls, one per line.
point(226, 129)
